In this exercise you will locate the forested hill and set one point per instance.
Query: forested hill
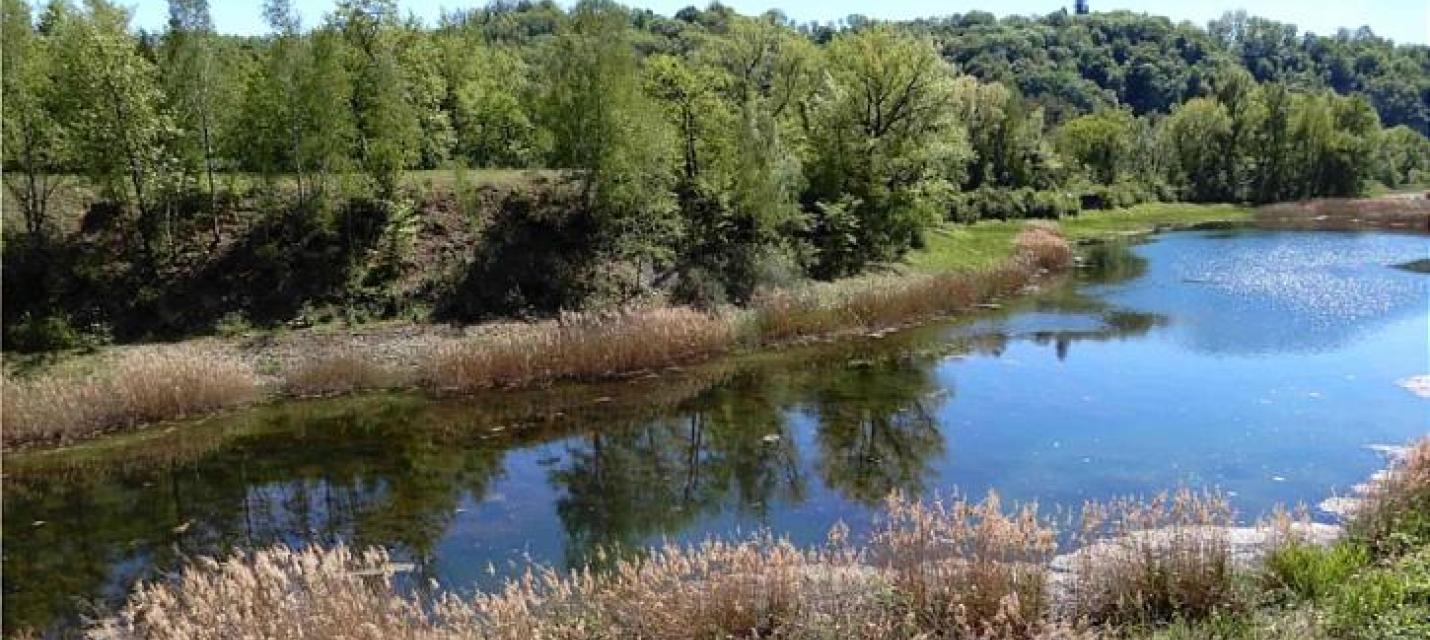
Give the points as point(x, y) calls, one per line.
point(1070, 64)
point(1075, 64)
point(1067, 64)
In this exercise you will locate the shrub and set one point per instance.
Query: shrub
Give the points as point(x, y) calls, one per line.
point(1387, 603)
point(1311, 572)
point(1043, 245)
point(44, 333)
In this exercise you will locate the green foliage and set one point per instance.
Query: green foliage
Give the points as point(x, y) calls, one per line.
point(36, 137)
point(713, 151)
point(1100, 143)
point(46, 333)
point(1385, 603)
point(113, 103)
point(882, 143)
point(1196, 135)
point(1311, 572)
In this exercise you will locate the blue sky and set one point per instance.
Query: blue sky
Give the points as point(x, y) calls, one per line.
point(1406, 21)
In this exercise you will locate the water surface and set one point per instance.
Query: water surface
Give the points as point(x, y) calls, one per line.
point(1260, 363)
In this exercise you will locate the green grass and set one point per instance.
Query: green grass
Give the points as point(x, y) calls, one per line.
point(983, 244)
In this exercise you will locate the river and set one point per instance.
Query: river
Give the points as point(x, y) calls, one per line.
point(1260, 363)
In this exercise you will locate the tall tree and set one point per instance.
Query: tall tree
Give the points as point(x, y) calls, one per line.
point(35, 135)
point(389, 132)
point(880, 144)
point(1196, 136)
point(199, 89)
point(1101, 143)
point(604, 127)
point(119, 127)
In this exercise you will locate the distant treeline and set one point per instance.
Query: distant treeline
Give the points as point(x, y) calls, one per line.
point(708, 148)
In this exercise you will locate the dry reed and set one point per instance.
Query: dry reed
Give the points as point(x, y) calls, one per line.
point(1150, 562)
point(968, 567)
point(957, 570)
point(890, 302)
point(140, 386)
point(1397, 498)
point(578, 346)
point(336, 372)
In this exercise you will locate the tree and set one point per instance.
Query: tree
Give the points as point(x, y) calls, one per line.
point(200, 91)
point(296, 107)
point(35, 137)
point(388, 128)
point(485, 85)
point(604, 127)
point(1196, 135)
point(1100, 143)
point(880, 147)
point(119, 128)
point(1403, 157)
point(1007, 137)
point(1272, 149)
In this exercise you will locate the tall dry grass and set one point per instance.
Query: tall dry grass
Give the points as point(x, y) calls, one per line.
point(578, 346)
point(968, 567)
point(140, 386)
point(1152, 562)
point(888, 302)
point(338, 371)
point(1395, 510)
point(954, 570)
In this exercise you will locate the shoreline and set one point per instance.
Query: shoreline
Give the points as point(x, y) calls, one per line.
point(397, 356)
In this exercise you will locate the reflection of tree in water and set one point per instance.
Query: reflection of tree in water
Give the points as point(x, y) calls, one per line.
point(877, 430)
point(728, 452)
point(369, 471)
point(1117, 325)
point(1110, 263)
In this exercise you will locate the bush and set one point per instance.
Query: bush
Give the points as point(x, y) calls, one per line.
point(1011, 204)
point(45, 333)
point(1395, 517)
point(1121, 195)
point(1310, 572)
point(1388, 603)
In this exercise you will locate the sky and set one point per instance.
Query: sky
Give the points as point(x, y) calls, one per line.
point(1404, 21)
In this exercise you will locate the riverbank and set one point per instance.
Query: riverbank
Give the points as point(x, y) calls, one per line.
point(130, 387)
point(952, 568)
point(120, 388)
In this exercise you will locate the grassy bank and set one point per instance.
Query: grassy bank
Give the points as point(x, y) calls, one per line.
point(129, 387)
point(1163, 568)
point(982, 244)
point(961, 267)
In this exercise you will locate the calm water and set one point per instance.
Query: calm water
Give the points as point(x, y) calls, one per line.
point(1261, 363)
